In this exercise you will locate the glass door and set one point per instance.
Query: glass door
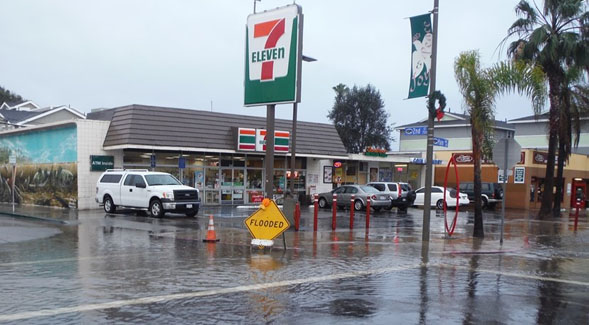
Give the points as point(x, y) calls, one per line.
point(238, 186)
point(226, 186)
point(212, 186)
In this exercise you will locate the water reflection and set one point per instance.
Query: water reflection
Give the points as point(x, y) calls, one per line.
point(472, 282)
point(424, 299)
point(549, 292)
point(352, 307)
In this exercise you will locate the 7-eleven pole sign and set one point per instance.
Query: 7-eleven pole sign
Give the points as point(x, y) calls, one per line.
point(273, 56)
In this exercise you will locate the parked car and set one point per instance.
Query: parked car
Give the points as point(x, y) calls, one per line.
point(491, 193)
point(140, 189)
point(400, 194)
point(362, 192)
point(437, 198)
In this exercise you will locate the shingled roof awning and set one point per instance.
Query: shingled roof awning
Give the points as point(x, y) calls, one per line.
point(163, 128)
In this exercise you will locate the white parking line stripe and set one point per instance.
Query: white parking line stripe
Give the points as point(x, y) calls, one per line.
point(516, 275)
point(67, 259)
point(165, 298)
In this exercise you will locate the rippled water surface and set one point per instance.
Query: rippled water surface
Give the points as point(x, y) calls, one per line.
point(131, 269)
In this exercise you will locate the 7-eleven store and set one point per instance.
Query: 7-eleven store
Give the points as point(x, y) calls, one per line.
point(222, 155)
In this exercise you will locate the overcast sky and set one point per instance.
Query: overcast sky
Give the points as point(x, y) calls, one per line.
point(190, 54)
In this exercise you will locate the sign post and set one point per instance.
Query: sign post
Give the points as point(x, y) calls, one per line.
point(272, 69)
point(506, 153)
point(12, 161)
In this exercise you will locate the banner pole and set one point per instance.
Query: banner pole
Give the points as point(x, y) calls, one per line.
point(430, 144)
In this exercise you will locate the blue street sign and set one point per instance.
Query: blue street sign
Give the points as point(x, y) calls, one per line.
point(152, 161)
point(441, 142)
point(421, 161)
point(418, 130)
point(181, 162)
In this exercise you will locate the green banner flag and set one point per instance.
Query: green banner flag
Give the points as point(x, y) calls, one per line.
point(421, 55)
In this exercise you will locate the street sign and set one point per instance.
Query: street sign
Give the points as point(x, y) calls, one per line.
point(273, 56)
point(506, 146)
point(181, 162)
point(267, 222)
point(440, 142)
point(519, 175)
point(12, 159)
point(152, 161)
point(418, 130)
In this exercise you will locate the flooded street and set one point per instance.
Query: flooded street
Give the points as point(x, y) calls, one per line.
point(125, 268)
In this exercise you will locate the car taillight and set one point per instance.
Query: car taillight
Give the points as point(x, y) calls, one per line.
point(373, 197)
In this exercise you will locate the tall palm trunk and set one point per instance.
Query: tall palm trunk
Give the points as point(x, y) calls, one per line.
point(564, 150)
point(477, 140)
point(546, 207)
point(559, 173)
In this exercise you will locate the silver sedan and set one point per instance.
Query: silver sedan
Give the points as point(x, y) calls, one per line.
point(361, 193)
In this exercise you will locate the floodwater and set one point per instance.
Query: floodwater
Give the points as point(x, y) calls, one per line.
point(125, 268)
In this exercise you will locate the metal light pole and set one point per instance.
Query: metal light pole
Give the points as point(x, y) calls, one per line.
point(430, 144)
point(270, 110)
point(294, 137)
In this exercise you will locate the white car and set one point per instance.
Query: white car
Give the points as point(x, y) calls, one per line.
point(438, 197)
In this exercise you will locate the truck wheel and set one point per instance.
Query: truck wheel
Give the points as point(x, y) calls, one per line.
point(156, 209)
point(192, 213)
point(109, 206)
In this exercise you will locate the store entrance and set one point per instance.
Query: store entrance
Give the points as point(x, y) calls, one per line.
point(232, 185)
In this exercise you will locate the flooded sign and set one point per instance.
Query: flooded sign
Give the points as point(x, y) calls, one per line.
point(267, 222)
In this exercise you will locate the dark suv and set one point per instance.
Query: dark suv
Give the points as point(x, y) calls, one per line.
point(491, 193)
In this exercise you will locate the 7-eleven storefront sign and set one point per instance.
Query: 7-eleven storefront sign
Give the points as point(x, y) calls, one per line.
point(273, 56)
point(255, 140)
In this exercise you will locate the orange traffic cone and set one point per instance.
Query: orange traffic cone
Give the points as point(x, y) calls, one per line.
point(211, 237)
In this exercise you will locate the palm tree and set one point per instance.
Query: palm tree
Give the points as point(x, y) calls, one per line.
point(480, 88)
point(552, 37)
point(575, 104)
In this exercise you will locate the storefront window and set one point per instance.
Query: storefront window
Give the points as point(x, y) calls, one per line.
point(279, 181)
point(385, 175)
point(211, 160)
point(255, 161)
point(212, 178)
point(254, 179)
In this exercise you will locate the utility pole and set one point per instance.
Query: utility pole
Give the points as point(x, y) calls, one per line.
point(430, 144)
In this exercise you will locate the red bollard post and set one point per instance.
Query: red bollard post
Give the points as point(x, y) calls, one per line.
point(368, 212)
point(297, 216)
point(315, 212)
point(577, 215)
point(333, 209)
point(352, 200)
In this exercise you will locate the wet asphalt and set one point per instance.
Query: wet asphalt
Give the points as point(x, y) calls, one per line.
point(64, 267)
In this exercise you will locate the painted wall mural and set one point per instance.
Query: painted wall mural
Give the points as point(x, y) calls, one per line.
point(46, 172)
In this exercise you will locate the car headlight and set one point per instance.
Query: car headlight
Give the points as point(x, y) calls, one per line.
point(168, 195)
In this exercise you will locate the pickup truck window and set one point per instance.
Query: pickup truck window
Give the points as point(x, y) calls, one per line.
point(164, 179)
point(111, 178)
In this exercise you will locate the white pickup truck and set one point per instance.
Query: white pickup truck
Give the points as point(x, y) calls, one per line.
point(140, 189)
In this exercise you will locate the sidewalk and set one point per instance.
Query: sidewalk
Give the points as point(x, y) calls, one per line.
point(41, 213)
